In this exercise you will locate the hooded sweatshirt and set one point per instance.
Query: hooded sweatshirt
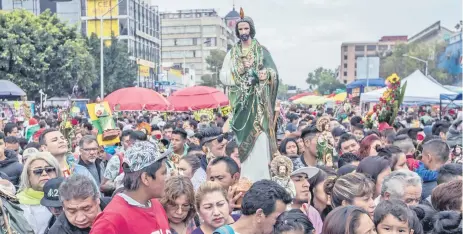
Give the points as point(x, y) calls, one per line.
point(11, 167)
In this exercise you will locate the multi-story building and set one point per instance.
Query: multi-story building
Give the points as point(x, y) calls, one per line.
point(188, 36)
point(136, 22)
point(431, 34)
point(352, 51)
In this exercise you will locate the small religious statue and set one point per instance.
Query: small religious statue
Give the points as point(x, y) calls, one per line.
point(25, 108)
point(325, 142)
point(252, 77)
point(282, 167)
point(109, 128)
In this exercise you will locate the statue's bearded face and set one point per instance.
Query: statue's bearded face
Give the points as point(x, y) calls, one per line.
point(244, 29)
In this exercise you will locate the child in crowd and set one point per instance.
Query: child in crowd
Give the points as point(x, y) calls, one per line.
point(393, 216)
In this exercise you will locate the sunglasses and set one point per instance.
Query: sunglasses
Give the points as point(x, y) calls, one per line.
point(39, 171)
point(222, 137)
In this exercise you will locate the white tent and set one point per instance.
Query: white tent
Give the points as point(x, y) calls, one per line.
point(420, 89)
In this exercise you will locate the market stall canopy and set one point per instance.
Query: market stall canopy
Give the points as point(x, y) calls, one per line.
point(451, 97)
point(300, 95)
point(197, 98)
point(420, 90)
point(136, 99)
point(10, 89)
point(379, 82)
point(311, 100)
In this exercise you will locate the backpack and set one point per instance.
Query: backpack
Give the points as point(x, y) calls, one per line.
point(224, 230)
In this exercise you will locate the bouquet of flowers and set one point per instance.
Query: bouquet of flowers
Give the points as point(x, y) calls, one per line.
point(386, 110)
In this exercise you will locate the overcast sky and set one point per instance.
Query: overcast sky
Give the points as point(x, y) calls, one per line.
point(305, 34)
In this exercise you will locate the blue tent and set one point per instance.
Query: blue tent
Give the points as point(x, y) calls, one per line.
point(448, 97)
point(362, 83)
point(451, 97)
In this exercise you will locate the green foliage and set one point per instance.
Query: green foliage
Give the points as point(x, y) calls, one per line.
point(119, 70)
point(324, 81)
point(214, 64)
point(404, 66)
point(210, 80)
point(41, 52)
point(282, 92)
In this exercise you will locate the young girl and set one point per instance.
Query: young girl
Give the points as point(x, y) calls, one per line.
point(293, 222)
point(393, 216)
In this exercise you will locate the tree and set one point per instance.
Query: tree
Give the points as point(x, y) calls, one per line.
point(41, 52)
point(119, 70)
point(282, 92)
point(324, 81)
point(214, 64)
point(396, 62)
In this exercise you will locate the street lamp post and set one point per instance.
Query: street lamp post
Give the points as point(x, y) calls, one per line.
point(421, 60)
point(101, 50)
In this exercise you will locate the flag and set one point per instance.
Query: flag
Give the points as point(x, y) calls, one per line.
point(30, 130)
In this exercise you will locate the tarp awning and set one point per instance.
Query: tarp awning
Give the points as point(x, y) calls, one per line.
point(420, 89)
point(378, 82)
point(10, 89)
point(451, 97)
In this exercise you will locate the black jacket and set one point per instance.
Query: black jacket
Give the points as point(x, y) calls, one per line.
point(63, 226)
point(11, 167)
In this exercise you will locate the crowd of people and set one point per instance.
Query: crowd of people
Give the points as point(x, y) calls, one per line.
point(173, 174)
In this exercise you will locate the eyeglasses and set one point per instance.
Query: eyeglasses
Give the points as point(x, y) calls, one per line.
point(39, 171)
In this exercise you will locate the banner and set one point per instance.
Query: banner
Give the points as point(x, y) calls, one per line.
point(208, 112)
point(102, 123)
point(225, 110)
point(110, 26)
point(96, 8)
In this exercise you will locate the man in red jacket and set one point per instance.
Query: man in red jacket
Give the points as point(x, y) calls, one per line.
point(137, 210)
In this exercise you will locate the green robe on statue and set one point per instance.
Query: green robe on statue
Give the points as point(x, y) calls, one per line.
point(253, 106)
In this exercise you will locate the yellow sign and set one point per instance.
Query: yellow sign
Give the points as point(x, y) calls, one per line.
point(109, 27)
point(95, 122)
point(225, 110)
point(144, 71)
point(100, 7)
point(208, 112)
point(146, 63)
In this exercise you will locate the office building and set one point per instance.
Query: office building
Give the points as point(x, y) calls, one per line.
point(188, 36)
point(352, 51)
point(433, 33)
point(134, 21)
point(66, 10)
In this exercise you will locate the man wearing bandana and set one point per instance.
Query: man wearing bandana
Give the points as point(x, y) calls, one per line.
point(252, 77)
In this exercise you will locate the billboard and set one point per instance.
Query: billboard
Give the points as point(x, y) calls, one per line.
point(96, 8)
point(109, 26)
point(367, 67)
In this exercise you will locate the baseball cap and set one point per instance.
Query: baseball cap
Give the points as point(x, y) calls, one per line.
point(51, 194)
point(30, 152)
point(142, 154)
point(308, 170)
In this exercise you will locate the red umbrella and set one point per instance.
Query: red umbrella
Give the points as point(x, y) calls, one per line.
point(300, 95)
point(197, 98)
point(135, 99)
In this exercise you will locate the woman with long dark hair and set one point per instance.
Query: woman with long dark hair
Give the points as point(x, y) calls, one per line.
point(348, 220)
